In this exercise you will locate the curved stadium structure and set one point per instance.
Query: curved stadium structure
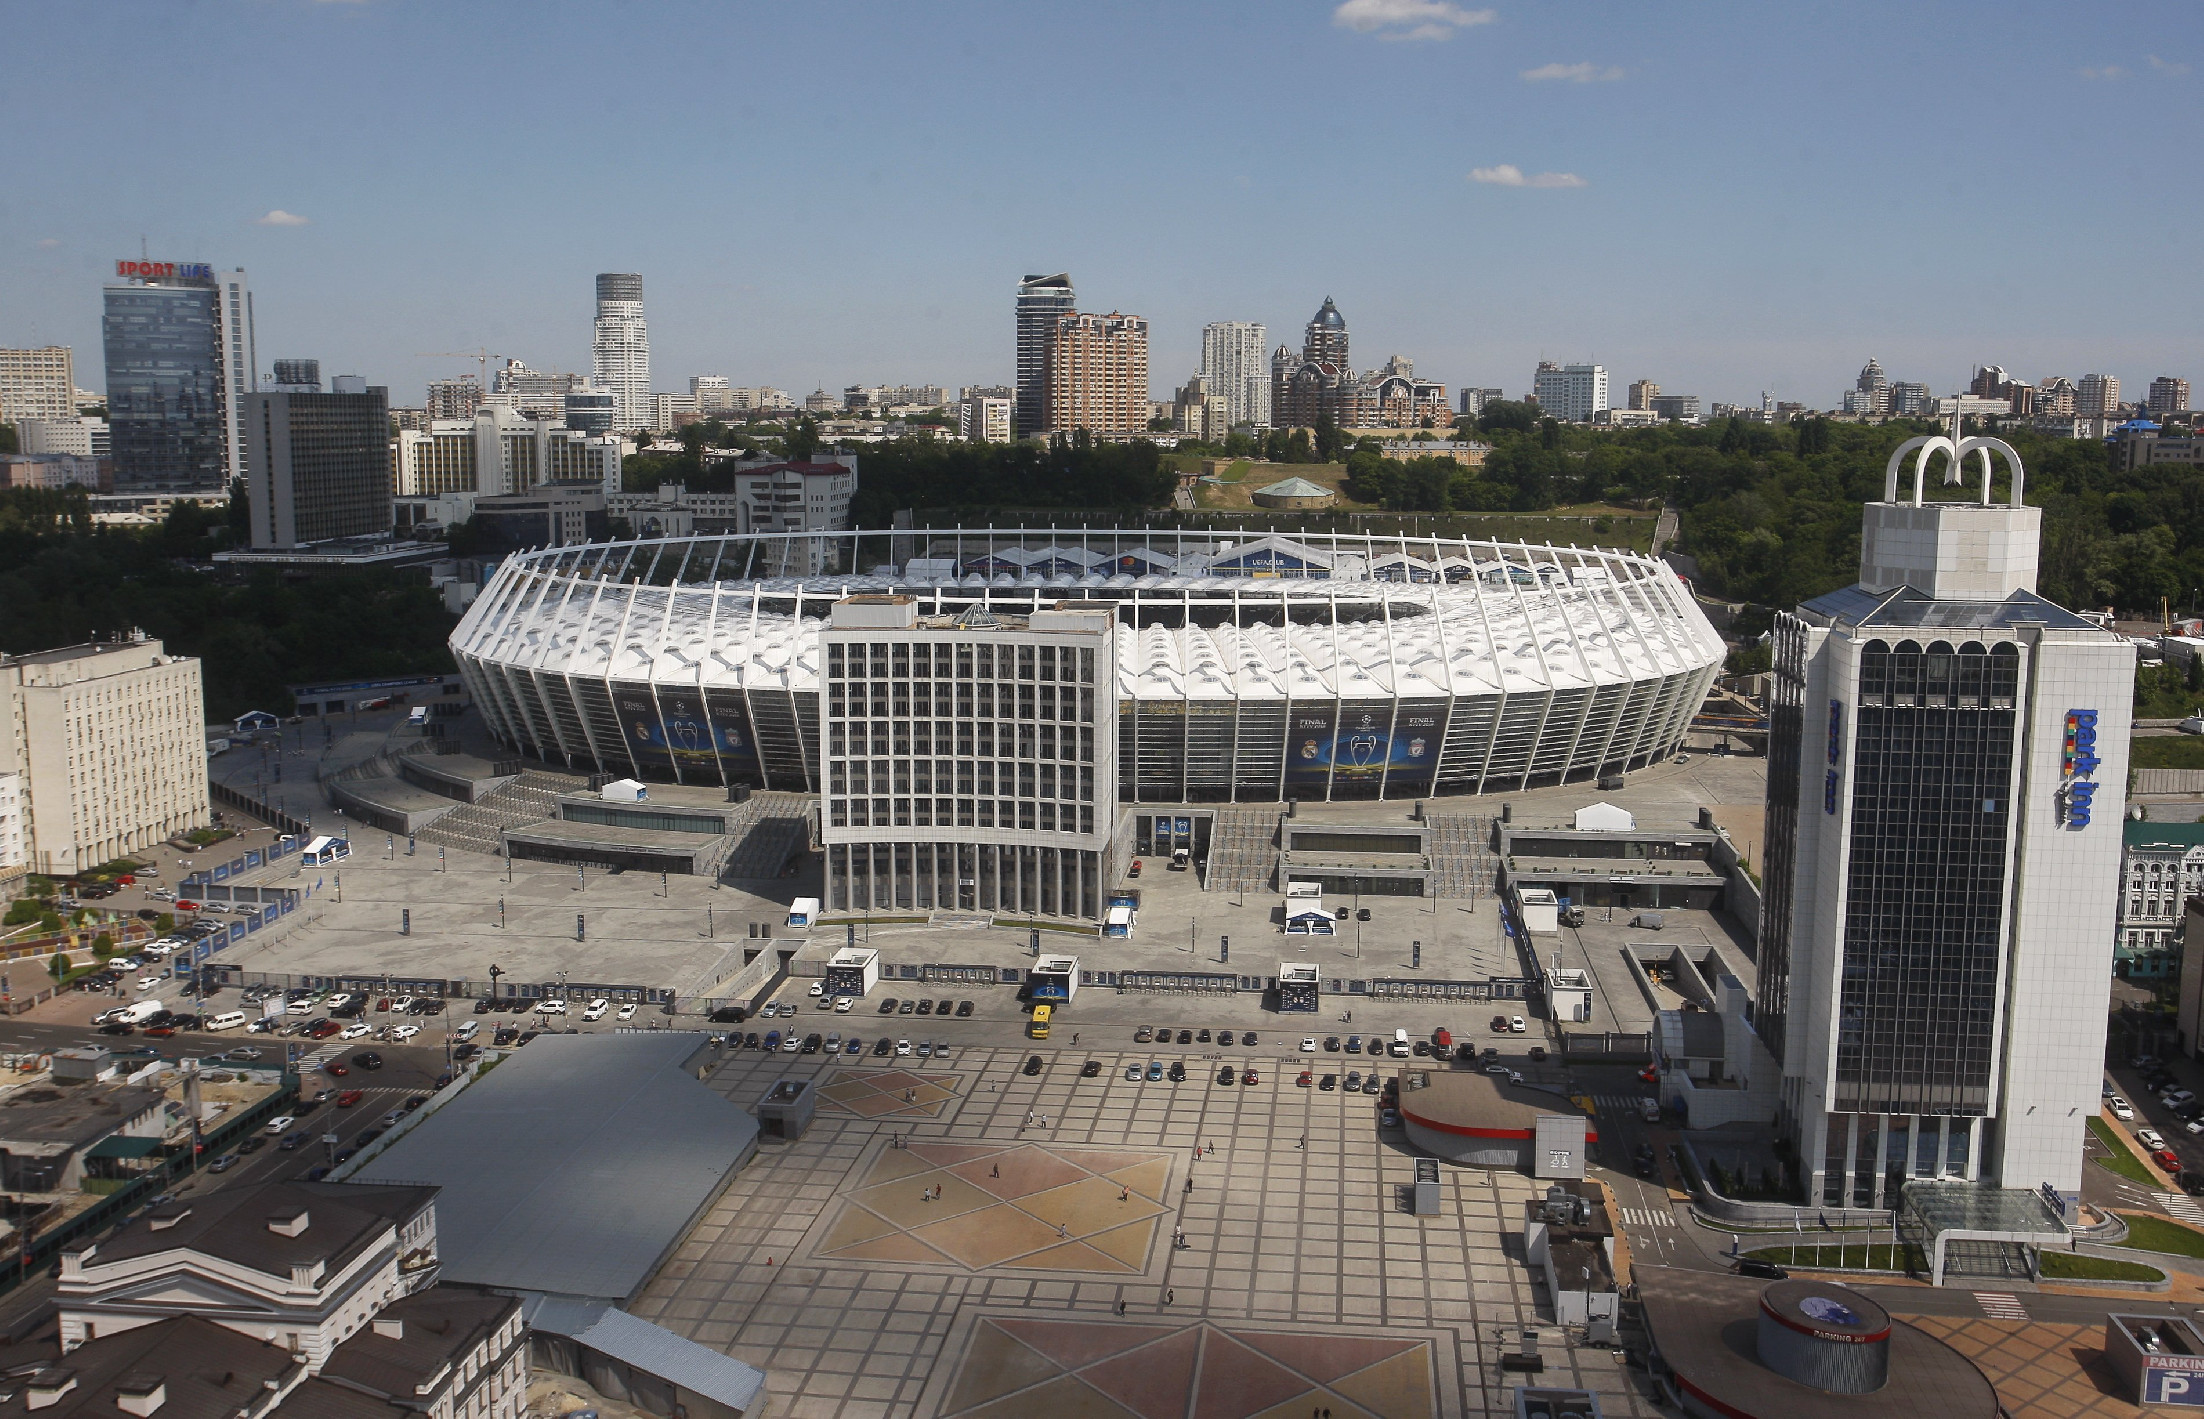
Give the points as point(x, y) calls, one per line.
point(1317, 667)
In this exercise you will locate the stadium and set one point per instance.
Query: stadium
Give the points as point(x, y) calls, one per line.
point(1317, 667)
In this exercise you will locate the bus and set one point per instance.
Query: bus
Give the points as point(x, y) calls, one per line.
point(325, 850)
point(1037, 1027)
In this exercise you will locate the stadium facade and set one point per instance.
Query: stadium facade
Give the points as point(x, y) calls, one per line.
point(1320, 667)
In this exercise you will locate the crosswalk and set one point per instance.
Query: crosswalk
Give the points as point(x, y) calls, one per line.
point(2181, 1206)
point(1646, 1217)
point(1618, 1103)
point(2000, 1305)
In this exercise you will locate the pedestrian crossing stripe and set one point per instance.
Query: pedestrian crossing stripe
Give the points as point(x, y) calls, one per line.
point(1646, 1217)
point(1627, 1103)
point(2000, 1305)
point(2180, 1205)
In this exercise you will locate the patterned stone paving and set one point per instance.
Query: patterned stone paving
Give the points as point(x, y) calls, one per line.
point(1014, 1366)
point(1027, 1206)
point(886, 1093)
point(821, 1264)
point(2041, 1370)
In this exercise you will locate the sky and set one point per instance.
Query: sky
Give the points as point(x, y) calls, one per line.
point(1725, 199)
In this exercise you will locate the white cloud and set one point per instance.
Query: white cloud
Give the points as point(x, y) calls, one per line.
point(2109, 71)
point(1509, 175)
point(277, 217)
point(2167, 66)
point(1574, 73)
point(1409, 19)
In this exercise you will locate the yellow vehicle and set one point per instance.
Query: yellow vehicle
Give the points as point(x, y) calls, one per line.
point(1037, 1027)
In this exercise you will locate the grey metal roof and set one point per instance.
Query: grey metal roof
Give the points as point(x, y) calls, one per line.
point(652, 1349)
point(1906, 607)
point(575, 1165)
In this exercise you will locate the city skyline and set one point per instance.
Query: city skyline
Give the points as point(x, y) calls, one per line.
point(1760, 253)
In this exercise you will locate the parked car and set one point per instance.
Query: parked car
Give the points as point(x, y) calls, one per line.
point(842, 1005)
point(887, 1004)
point(2150, 1138)
point(1224, 1074)
point(902, 1047)
point(1250, 1078)
point(964, 1009)
point(223, 1164)
point(1144, 1035)
point(1032, 1065)
point(1132, 1072)
point(550, 1007)
point(596, 1009)
point(1308, 1044)
point(1155, 1069)
point(883, 1046)
point(1765, 1270)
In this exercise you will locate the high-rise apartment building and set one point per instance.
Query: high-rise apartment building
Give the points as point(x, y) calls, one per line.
point(1475, 400)
point(1200, 411)
point(2056, 396)
point(102, 751)
point(1042, 301)
point(2097, 396)
point(1570, 393)
point(1908, 399)
point(1946, 773)
point(454, 398)
point(620, 351)
point(1642, 394)
point(37, 384)
point(970, 760)
point(1098, 374)
point(317, 464)
point(2168, 395)
point(1235, 363)
point(1322, 384)
point(1683, 408)
point(178, 339)
point(983, 418)
point(81, 435)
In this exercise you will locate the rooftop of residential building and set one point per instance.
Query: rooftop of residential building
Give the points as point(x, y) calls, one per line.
point(270, 1229)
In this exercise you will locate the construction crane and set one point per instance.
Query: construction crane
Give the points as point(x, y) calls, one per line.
point(481, 355)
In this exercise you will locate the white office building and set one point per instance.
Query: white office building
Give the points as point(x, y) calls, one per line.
point(102, 753)
point(1570, 393)
point(499, 451)
point(2164, 867)
point(1235, 363)
point(620, 351)
point(1946, 775)
point(969, 759)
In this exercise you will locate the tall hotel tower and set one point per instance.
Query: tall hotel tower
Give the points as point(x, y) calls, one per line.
point(1042, 301)
point(179, 344)
point(620, 353)
point(1947, 771)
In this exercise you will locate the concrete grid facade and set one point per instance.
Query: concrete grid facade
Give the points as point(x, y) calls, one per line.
point(37, 384)
point(318, 466)
point(108, 745)
point(1235, 360)
point(988, 734)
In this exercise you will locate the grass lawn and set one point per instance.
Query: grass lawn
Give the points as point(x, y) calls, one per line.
point(1880, 1257)
point(2071, 1266)
point(2148, 1233)
point(2166, 751)
point(2123, 1160)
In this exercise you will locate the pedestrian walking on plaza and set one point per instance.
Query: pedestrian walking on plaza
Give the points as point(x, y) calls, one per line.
point(1125, 1194)
point(1170, 1297)
point(1121, 1307)
point(1304, 1141)
point(1189, 1187)
point(996, 1171)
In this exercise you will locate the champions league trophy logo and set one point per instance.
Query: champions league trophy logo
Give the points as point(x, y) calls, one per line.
point(684, 734)
point(1362, 750)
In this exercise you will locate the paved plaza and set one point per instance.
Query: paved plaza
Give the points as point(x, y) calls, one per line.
point(1045, 1276)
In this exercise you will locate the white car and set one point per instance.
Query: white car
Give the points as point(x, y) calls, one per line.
point(279, 1125)
point(405, 1032)
point(842, 1006)
point(353, 1031)
point(902, 1046)
point(467, 1030)
point(148, 982)
point(817, 988)
point(550, 1007)
point(2150, 1138)
point(147, 872)
point(626, 1012)
point(596, 1009)
point(304, 1005)
point(834, 1043)
point(793, 1043)
point(1516, 1025)
point(162, 894)
point(399, 1005)
point(2121, 1109)
point(1308, 1044)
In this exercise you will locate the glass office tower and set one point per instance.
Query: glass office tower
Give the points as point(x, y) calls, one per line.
point(179, 359)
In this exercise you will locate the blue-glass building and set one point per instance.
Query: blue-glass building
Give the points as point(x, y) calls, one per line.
point(179, 360)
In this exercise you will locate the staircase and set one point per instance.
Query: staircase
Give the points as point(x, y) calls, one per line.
point(476, 827)
point(1243, 850)
point(1461, 854)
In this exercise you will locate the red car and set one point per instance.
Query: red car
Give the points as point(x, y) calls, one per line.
point(349, 1097)
point(1650, 1075)
point(1248, 1078)
point(127, 880)
point(1442, 1038)
point(323, 1029)
point(338, 1068)
point(1134, 870)
point(2168, 1159)
point(183, 906)
point(1303, 1081)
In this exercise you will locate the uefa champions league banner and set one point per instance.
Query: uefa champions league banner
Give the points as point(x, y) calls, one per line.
point(685, 733)
point(1321, 743)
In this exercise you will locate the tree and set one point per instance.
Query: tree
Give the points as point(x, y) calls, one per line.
point(1328, 440)
point(801, 440)
point(241, 512)
point(103, 945)
point(58, 967)
point(1813, 437)
point(1507, 416)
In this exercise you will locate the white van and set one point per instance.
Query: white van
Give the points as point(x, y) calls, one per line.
point(140, 1010)
point(227, 1020)
point(1400, 1044)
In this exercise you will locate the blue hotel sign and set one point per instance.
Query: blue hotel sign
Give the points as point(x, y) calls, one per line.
point(2078, 765)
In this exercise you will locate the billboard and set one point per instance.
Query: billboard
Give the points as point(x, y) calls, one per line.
point(685, 732)
point(1357, 743)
